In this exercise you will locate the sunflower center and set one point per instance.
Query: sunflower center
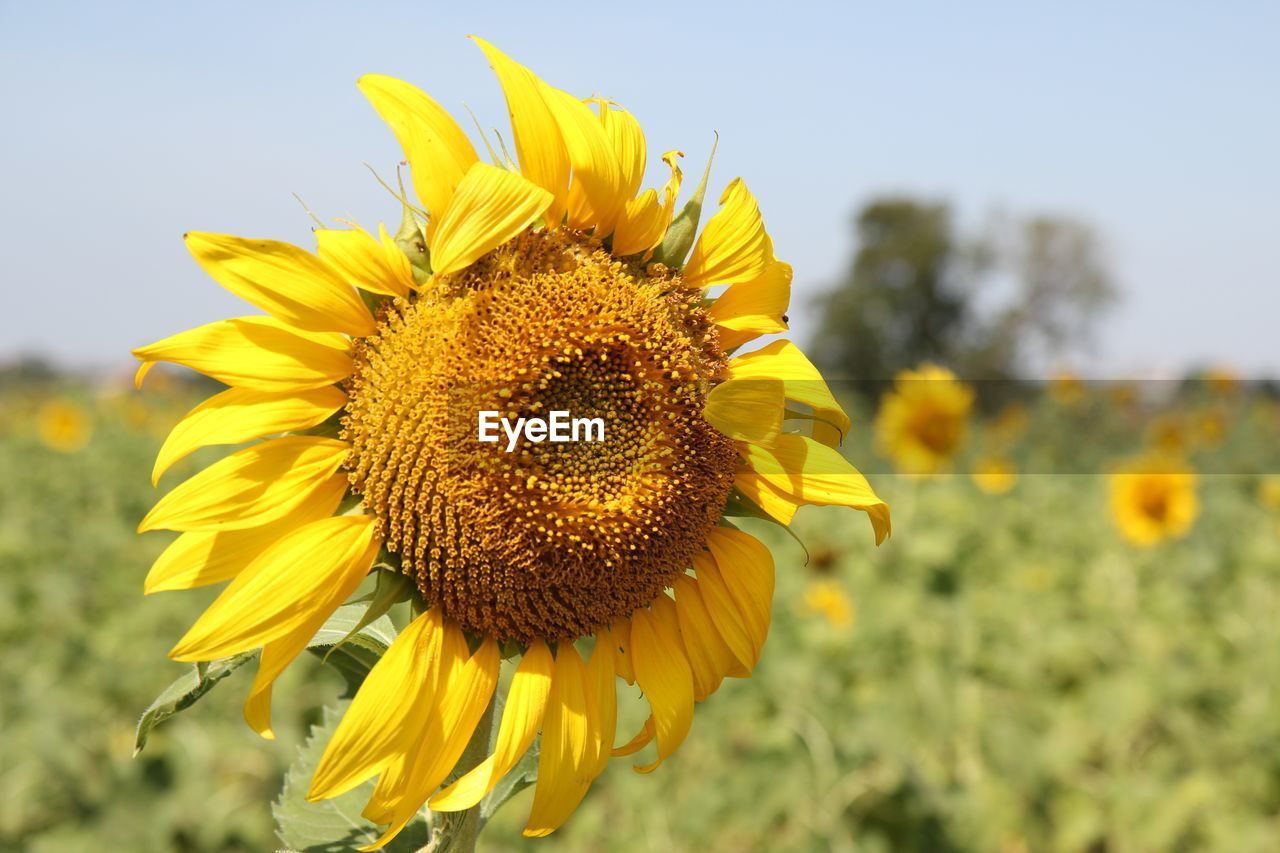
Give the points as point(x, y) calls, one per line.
point(550, 540)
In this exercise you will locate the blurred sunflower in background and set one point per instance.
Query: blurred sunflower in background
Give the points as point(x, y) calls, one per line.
point(827, 598)
point(1153, 499)
point(557, 285)
point(64, 426)
point(994, 475)
point(923, 421)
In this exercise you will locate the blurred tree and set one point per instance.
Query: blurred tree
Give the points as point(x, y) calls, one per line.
point(1021, 292)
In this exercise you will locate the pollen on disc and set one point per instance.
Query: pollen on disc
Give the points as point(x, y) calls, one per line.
point(552, 540)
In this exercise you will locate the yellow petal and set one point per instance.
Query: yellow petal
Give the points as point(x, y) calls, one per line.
point(642, 739)
point(602, 696)
point(521, 716)
point(241, 414)
point(544, 160)
point(746, 409)
point(255, 352)
point(565, 767)
point(464, 695)
point(816, 474)
point(627, 140)
point(802, 382)
point(709, 658)
point(663, 673)
point(305, 574)
point(777, 505)
point(747, 569)
point(438, 152)
point(251, 487)
point(753, 308)
point(490, 207)
point(723, 610)
point(198, 557)
point(596, 193)
point(733, 247)
point(364, 261)
point(275, 658)
point(287, 282)
point(644, 220)
point(374, 727)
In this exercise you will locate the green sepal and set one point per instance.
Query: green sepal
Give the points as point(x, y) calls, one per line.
point(413, 242)
point(355, 649)
point(185, 692)
point(333, 824)
point(390, 588)
point(684, 228)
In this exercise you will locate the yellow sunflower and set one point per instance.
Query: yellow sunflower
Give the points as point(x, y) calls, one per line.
point(923, 421)
point(1153, 499)
point(994, 475)
point(557, 285)
point(64, 426)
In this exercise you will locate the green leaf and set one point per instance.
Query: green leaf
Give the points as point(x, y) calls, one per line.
point(354, 649)
point(524, 774)
point(336, 824)
point(679, 240)
point(185, 692)
point(390, 588)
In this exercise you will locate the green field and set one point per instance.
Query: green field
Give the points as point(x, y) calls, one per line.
point(1015, 676)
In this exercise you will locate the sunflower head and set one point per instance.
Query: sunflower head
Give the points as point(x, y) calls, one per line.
point(923, 421)
point(558, 285)
point(1153, 499)
point(994, 475)
point(64, 426)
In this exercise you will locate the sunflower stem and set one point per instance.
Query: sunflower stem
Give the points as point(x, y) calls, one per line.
point(459, 831)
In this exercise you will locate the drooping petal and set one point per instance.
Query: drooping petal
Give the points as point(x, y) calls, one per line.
point(777, 505)
point(733, 247)
point(602, 696)
point(663, 673)
point(746, 409)
point(438, 152)
point(753, 308)
point(287, 282)
point(544, 159)
point(241, 414)
point(201, 557)
point(817, 474)
point(306, 573)
point(365, 261)
point(490, 207)
point(733, 627)
point(374, 726)
point(641, 739)
point(464, 694)
point(565, 767)
point(803, 383)
point(251, 487)
point(255, 352)
point(521, 716)
point(709, 658)
point(274, 659)
point(747, 569)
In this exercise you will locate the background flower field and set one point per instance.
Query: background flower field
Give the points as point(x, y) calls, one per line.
point(1007, 673)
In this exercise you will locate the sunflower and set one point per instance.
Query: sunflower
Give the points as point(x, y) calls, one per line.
point(1153, 498)
point(923, 421)
point(557, 285)
point(994, 475)
point(63, 426)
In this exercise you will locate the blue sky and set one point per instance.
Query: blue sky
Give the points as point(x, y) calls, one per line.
point(126, 125)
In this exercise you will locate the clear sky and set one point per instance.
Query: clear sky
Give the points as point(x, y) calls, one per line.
point(125, 125)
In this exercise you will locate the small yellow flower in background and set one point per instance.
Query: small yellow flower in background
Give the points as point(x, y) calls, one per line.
point(994, 475)
point(1066, 389)
point(1010, 423)
point(64, 426)
point(1223, 381)
point(1168, 434)
point(827, 599)
point(558, 285)
point(1211, 427)
point(1269, 491)
point(923, 421)
point(1122, 395)
point(1153, 499)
